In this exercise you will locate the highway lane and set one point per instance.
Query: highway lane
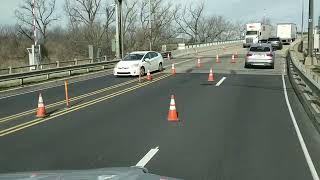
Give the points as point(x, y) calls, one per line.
point(23, 102)
point(240, 130)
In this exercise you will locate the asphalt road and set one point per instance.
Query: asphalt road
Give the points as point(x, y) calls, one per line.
point(239, 130)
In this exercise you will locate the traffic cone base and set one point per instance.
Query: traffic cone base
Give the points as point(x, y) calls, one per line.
point(173, 114)
point(41, 111)
point(211, 76)
point(233, 60)
point(199, 65)
point(218, 59)
point(149, 77)
point(173, 70)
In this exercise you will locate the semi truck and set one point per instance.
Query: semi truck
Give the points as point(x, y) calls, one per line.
point(255, 33)
point(287, 32)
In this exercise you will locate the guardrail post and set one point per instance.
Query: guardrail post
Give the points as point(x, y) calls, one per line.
point(75, 61)
point(10, 69)
point(70, 72)
point(88, 70)
point(103, 67)
point(48, 76)
point(37, 67)
point(21, 81)
point(58, 64)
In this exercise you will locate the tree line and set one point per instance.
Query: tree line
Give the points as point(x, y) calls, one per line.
point(92, 22)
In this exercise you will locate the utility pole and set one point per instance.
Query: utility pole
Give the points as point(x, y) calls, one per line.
point(150, 25)
point(119, 33)
point(302, 20)
point(34, 22)
point(310, 32)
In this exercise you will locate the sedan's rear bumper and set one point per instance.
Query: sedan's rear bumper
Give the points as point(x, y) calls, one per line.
point(259, 62)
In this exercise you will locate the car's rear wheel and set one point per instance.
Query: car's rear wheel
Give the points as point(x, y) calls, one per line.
point(160, 68)
point(142, 71)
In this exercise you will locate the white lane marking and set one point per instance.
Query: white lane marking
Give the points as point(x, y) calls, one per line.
point(296, 127)
point(147, 157)
point(221, 81)
point(315, 107)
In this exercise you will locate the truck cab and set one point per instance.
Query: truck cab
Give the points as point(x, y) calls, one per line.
point(256, 32)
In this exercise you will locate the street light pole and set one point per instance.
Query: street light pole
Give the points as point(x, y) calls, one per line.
point(302, 20)
point(310, 29)
point(309, 59)
point(119, 34)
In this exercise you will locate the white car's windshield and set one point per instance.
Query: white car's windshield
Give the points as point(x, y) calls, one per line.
point(252, 32)
point(133, 57)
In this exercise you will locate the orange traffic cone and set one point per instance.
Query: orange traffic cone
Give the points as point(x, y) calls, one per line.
point(149, 77)
point(41, 112)
point(173, 70)
point(236, 55)
point(199, 65)
point(211, 76)
point(173, 114)
point(233, 60)
point(218, 59)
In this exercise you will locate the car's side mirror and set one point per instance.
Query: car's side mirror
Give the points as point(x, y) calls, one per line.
point(147, 59)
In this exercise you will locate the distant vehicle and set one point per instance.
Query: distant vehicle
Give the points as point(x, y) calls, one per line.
point(167, 49)
point(260, 55)
point(132, 173)
point(287, 32)
point(139, 62)
point(275, 43)
point(256, 32)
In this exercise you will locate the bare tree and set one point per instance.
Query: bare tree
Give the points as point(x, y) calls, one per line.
point(130, 17)
point(189, 19)
point(45, 16)
point(87, 14)
point(162, 23)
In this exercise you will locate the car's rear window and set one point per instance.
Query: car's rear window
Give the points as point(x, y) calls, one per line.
point(260, 49)
point(273, 39)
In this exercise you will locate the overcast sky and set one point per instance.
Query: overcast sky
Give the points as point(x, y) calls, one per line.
point(235, 10)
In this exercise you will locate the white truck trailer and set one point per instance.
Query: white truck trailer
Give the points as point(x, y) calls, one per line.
point(287, 32)
point(256, 32)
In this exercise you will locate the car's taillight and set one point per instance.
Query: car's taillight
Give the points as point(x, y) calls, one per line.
point(270, 54)
point(249, 54)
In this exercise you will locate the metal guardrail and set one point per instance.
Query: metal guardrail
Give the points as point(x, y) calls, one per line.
point(43, 66)
point(202, 48)
point(47, 72)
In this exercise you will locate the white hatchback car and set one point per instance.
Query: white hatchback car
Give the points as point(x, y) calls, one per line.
point(139, 62)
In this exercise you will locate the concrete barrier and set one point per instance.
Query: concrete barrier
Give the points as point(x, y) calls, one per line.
point(203, 48)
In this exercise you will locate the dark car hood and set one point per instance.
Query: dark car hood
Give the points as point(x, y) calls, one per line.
point(132, 173)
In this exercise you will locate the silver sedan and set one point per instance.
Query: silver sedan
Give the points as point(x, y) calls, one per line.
point(260, 55)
